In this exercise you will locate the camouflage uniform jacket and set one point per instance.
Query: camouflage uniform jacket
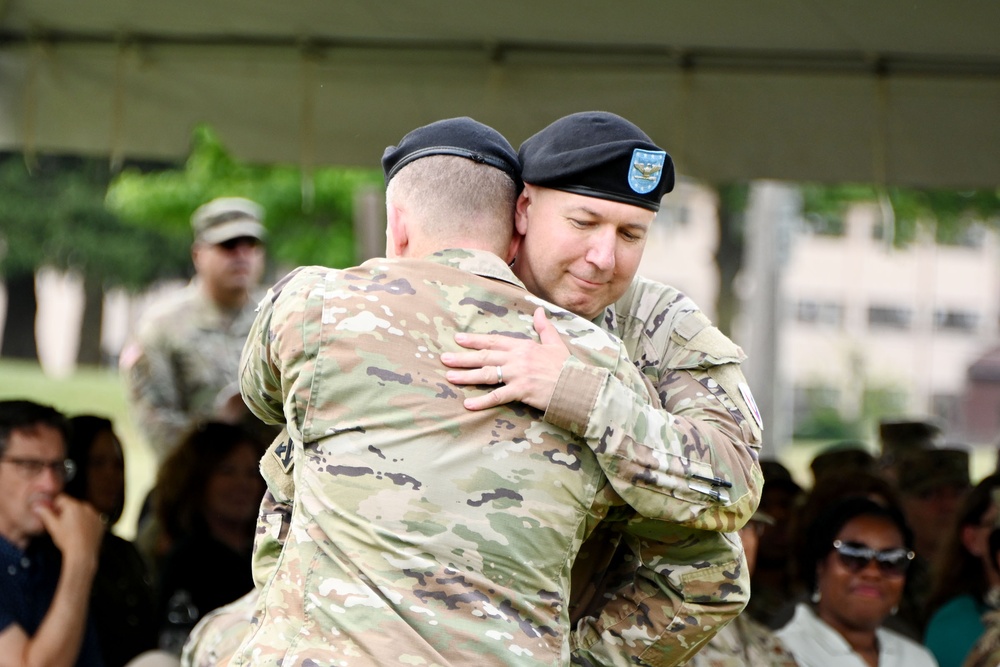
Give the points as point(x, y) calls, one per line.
point(744, 643)
point(219, 633)
point(701, 447)
point(186, 351)
point(420, 532)
point(986, 651)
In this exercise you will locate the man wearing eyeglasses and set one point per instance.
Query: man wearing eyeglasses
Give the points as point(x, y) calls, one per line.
point(49, 544)
point(181, 369)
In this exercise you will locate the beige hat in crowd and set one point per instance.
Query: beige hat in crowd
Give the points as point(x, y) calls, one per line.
point(228, 218)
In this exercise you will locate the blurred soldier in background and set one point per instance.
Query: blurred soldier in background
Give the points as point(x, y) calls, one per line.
point(181, 368)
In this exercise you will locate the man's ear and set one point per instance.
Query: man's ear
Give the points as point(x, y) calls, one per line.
point(521, 211)
point(515, 245)
point(397, 239)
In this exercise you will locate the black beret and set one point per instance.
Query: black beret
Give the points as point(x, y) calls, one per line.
point(598, 154)
point(463, 137)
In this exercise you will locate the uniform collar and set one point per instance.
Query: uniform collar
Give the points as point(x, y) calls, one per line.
point(480, 262)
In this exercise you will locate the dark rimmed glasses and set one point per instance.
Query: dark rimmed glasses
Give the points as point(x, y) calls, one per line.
point(855, 556)
point(32, 468)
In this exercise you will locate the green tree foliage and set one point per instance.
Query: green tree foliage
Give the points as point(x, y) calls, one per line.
point(951, 212)
point(312, 229)
point(54, 215)
point(826, 423)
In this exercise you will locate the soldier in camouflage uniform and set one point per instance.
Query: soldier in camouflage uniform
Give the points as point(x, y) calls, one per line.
point(187, 349)
point(986, 651)
point(420, 532)
point(745, 642)
point(592, 184)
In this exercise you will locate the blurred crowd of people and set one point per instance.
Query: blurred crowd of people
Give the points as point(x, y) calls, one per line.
point(889, 557)
point(195, 533)
point(893, 557)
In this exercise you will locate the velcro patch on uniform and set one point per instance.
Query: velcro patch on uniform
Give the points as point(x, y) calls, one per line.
point(752, 404)
point(283, 454)
point(691, 325)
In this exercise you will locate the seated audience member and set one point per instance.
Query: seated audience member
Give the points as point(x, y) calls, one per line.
point(831, 487)
point(49, 544)
point(931, 484)
point(771, 586)
point(745, 642)
point(856, 555)
point(962, 575)
point(208, 493)
point(899, 438)
point(121, 601)
point(847, 455)
point(986, 651)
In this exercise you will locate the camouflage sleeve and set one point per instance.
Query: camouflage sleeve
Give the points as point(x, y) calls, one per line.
point(278, 324)
point(986, 651)
point(668, 591)
point(215, 638)
point(744, 642)
point(694, 461)
point(153, 394)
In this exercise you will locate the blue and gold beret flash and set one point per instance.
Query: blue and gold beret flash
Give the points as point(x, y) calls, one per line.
point(463, 137)
point(598, 154)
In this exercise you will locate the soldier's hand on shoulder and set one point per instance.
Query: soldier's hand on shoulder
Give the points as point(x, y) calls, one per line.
point(524, 370)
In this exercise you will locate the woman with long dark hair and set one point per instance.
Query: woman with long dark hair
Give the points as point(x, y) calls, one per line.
point(207, 495)
point(855, 560)
point(121, 601)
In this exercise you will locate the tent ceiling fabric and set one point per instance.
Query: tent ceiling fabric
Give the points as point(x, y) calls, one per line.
point(900, 92)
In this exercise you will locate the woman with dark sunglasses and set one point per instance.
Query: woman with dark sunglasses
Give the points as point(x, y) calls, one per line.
point(855, 560)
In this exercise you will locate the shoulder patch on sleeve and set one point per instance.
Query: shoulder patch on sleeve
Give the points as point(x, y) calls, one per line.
point(752, 404)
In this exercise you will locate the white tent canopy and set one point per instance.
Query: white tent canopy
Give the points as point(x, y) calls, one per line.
point(854, 90)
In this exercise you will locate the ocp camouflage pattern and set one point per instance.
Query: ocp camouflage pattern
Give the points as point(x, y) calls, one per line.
point(744, 643)
point(185, 352)
point(701, 449)
point(420, 533)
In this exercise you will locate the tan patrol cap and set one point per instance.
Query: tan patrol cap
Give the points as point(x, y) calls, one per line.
point(924, 470)
point(900, 436)
point(228, 218)
point(846, 455)
point(777, 475)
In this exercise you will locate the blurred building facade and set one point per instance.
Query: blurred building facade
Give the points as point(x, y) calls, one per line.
point(865, 328)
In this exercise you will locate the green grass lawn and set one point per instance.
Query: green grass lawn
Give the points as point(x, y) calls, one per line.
point(89, 391)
